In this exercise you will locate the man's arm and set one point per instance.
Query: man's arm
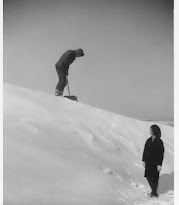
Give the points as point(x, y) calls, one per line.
point(66, 71)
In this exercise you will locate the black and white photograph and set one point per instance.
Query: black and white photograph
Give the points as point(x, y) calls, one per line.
point(88, 102)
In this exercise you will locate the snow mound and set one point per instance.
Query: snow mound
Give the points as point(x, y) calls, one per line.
point(57, 151)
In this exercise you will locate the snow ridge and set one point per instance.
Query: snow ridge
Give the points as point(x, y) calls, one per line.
point(57, 151)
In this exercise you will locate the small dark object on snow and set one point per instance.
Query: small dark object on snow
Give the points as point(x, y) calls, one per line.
point(71, 97)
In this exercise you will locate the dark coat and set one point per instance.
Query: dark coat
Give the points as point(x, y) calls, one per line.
point(66, 59)
point(153, 156)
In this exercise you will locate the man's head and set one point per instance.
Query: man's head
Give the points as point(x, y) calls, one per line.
point(79, 52)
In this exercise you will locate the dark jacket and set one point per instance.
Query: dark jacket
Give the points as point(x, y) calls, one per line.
point(66, 59)
point(153, 151)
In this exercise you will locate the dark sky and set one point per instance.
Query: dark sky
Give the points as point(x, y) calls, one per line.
point(128, 45)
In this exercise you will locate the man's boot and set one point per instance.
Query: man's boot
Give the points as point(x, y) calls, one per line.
point(58, 93)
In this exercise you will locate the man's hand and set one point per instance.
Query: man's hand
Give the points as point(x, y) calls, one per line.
point(143, 163)
point(159, 168)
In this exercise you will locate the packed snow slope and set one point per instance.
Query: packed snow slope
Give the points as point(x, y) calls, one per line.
point(57, 151)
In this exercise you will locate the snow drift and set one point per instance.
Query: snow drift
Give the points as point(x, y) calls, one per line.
point(57, 151)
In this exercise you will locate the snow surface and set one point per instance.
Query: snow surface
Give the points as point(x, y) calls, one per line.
point(57, 151)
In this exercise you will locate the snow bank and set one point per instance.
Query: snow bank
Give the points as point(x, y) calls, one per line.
point(57, 151)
